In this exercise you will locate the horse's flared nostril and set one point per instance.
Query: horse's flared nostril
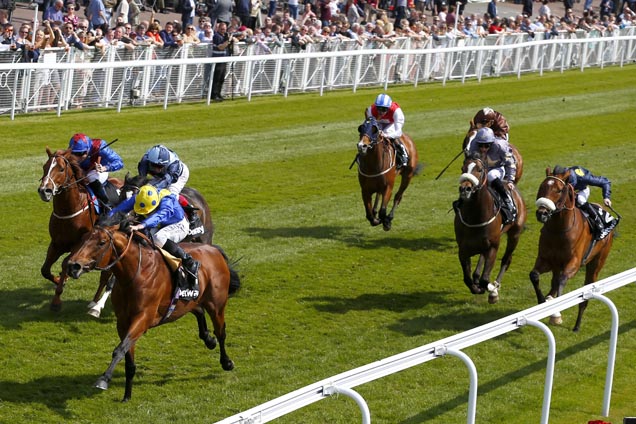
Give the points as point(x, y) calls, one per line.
point(74, 269)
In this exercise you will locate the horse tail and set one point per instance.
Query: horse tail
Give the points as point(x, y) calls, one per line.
point(235, 279)
point(418, 169)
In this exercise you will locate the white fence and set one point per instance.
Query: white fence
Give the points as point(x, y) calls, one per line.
point(345, 382)
point(68, 79)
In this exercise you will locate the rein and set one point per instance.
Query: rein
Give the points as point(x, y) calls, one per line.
point(561, 203)
point(478, 183)
point(372, 145)
point(119, 257)
point(69, 181)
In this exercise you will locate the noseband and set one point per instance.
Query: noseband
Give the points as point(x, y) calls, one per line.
point(468, 176)
point(560, 205)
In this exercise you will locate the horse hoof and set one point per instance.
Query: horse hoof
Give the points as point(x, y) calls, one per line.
point(94, 312)
point(228, 366)
point(210, 343)
point(56, 307)
point(493, 298)
point(386, 227)
point(101, 384)
point(375, 222)
point(556, 320)
point(477, 290)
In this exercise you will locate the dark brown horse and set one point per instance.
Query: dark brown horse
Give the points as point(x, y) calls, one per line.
point(73, 215)
point(377, 172)
point(565, 243)
point(143, 296)
point(479, 227)
point(472, 131)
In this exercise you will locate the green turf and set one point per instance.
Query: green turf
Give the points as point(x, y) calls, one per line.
point(323, 292)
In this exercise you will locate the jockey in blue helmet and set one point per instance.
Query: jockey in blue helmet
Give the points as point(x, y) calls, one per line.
point(497, 156)
point(96, 158)
point(390, 117)
point(169, 172)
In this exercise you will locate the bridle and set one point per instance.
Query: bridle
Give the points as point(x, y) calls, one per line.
point(69, 181)
point(560, 205)
point(478, 184)
point(118, 257)
point(374, 140)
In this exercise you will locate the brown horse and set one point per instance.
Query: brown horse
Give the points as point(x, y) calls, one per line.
point(472, 131)
point(479, 227)
point(566, 242)
point(73, 215)
point(195, 199)
point(377, 171)
point(143, 296)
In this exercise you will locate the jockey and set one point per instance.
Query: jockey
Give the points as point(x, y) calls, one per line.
point(161, 209)
point(96, 159)
point(581, 179)
point(493, 120)
point(168, 172)
point(495, 152)
point(391, 119)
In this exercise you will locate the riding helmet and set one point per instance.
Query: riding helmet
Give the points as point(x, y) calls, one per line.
point(383, 100)
point(79, 143)
point(147, 200)
point(485, 136)
point(159, 155)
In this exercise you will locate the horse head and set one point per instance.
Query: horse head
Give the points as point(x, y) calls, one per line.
point(61, 170)
point(100, 248)
point(474, 176)
point(554, 195)
point(131, 186)
point(369, 131)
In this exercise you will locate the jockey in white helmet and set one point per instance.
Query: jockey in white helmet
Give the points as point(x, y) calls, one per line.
point(390, 117)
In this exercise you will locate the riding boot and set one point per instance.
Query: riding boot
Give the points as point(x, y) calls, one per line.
point(595, 220)
point(196, 226)
point(401, 156)
point(190, 265)
point(100, 193)
point(509, 210)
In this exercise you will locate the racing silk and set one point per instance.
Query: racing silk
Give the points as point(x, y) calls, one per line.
point(391, 122)
point(171, 173)
point(498, 123)
point(580, 178)
point(168, 212)
point(499, 156)
point(100, 152)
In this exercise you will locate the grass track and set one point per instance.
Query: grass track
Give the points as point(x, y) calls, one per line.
point(324, 292)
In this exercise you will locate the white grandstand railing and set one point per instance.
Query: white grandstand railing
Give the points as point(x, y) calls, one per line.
point(345, 382)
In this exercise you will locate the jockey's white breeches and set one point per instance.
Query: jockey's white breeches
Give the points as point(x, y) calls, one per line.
point(175, 232)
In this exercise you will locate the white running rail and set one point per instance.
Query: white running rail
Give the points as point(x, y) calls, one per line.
point(345, 382)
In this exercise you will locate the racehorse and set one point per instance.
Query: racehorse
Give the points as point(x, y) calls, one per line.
point(470, 135)
point(377, 171)
point(566, 242)
point(479, 227)
point(73, 215)
point(131, 187)
point(143, 296)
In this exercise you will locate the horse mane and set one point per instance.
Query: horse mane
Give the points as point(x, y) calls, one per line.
point(136, 181)
point(78, 172)
point(475, 156)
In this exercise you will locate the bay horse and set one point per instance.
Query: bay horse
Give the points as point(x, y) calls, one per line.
point(73, 215)
point(470, 135)
point(377, 172)
point(566, 242)
point(143, 296)
point(479, 227)
point(131, 187)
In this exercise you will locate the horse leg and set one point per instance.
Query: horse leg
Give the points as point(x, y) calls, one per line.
point(131, 369)
point(466, 269)
point(217, 315)
point(506, 260)
point(489, 262)
point(56, 302)
point(370, 211)
point(397, 199)
point(122, 350)
point(106, 281)
point(204, 333)
point(384, 218)
point(52, 255)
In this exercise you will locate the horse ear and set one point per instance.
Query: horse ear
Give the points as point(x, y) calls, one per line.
point(548, 171)
point(127, 177)
point(48, 151)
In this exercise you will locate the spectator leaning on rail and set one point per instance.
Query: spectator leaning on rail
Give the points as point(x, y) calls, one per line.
point(581, 179)
point(161, 209)
point(495, 153)
point(169, 172)
point(97, 159)
point(391, 120)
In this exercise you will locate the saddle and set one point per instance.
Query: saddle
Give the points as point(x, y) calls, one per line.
point(604, 225)
point(182, 287)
